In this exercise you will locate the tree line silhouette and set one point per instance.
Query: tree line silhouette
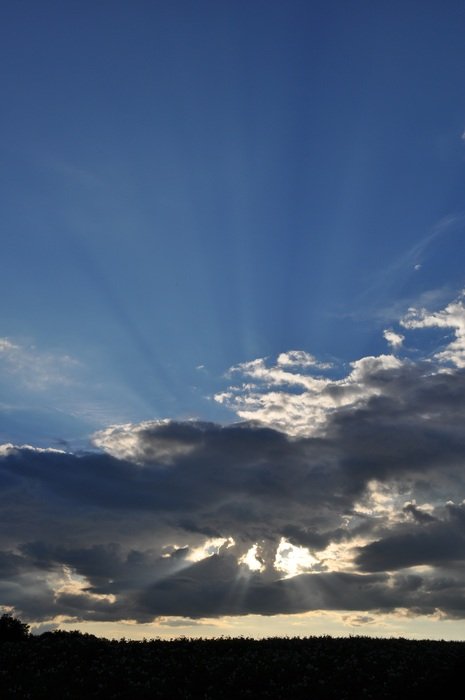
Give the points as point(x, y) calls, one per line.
point(79, 665)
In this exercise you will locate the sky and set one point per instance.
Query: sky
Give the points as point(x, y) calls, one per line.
point(232, 317)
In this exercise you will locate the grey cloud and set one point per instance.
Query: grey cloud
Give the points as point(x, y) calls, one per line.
point(241, 480)
point(218, 586)
point(109, 569)
point(127, 525)
point(311, 538)
point(406, 436)
point(419, 515)
point(10, 564)
point(215, 587)
point(180, 623)
point(437, 543)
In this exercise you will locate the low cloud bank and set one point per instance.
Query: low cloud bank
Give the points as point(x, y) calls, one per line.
point(359, 481)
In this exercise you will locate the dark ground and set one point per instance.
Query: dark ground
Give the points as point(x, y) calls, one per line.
point(74, 665)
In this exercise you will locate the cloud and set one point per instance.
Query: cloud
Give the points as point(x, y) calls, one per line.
point(394, 339)
point(335, 493)
point(437, 542)
point(421, 515)
point(452, 318)
point(299, 358)
point(134, 442)
point(47, 396)
point(33, 368)
point(301, 404)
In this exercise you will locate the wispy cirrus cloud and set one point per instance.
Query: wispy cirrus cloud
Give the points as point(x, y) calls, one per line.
point(49, 393)
point(34, 369)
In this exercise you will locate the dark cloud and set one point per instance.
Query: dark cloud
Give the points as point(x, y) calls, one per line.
point(246, 482)
point(218, 586)
point(440, 544)
point(108, 535)
point(419, 515)
point(434, 543)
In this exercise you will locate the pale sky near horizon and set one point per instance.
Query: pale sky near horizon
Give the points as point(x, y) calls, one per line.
point(232, 328)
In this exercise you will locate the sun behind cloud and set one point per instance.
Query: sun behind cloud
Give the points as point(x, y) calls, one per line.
point(335, 494)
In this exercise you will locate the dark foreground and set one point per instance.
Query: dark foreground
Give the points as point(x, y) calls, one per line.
point(73, 665)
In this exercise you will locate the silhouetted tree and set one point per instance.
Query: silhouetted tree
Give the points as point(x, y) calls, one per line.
point(12, 629)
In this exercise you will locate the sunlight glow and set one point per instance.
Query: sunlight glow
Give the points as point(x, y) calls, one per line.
point(339, 556)
point(292, 560)
point(209, 548)
point(71, 583)
point(251, 560)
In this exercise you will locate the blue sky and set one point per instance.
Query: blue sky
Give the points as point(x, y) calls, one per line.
point(190, 187)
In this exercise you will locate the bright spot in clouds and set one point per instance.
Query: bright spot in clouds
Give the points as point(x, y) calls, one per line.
point(292, 560)
point(251, 559)
point(209, 548)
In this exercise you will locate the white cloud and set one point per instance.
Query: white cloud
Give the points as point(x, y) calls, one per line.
point(300, 404)
point(450, 318)
point(300, 358)
point(8, 449)
point(251, 559)
point(394, 339)
point(292, 560)
point(304, 407)
point(275, 375)
point(6, 346)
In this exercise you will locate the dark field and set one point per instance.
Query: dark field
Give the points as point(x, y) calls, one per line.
point(73, 665)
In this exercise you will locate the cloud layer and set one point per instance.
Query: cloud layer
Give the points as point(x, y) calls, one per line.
point(333, 493)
